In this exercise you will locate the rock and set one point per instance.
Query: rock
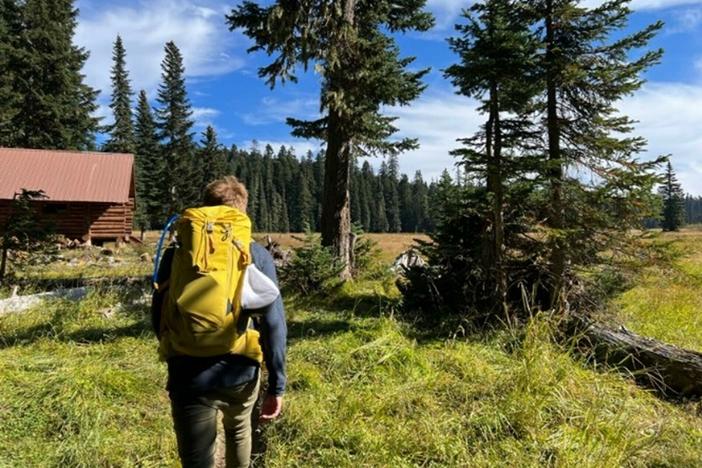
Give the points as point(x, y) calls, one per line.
point(108, 252)
point(145, 257)
point(408, 259)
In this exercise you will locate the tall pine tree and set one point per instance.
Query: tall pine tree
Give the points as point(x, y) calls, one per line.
point(122, 130)
point(361, 71)
point(10, 28)
point(212, 157)
point(150, 168)
point(586, 72)
point(55, 107)
point(673, 216)
point(497, 51)
point(174, 122)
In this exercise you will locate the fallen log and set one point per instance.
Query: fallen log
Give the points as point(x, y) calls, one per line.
point(671, 371)
point(51, 284)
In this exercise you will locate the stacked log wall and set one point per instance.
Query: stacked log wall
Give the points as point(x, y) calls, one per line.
point(81, 220)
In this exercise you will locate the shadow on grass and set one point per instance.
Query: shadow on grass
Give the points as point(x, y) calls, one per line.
point(51, 330)
point(315, 328)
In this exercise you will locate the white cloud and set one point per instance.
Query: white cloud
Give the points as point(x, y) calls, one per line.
point(273, 110)
point(447, 11)
point(687, 20)
point(197, 28)
point(437, 120)
point(658, 4)
point(204, 116)
point(669, 115)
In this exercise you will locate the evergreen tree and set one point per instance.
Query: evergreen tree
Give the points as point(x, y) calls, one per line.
point(408, 210)
point(361, 71)
point(367, 197)
point(420, 201)
point(380, 220)
point(392, 199)
point(497, 51)
point(121, 131)
point(150, 168)
point(10, 28)
point(263, 215)
point(212, 157)
point(55, 107)
point(174, 122)
point(585, 73)
point(673, 215)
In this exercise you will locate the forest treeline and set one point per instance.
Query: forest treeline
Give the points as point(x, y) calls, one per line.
point(285, 192)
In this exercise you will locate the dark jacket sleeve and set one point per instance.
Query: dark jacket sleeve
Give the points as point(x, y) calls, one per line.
point(164, 273)
point(271, 324)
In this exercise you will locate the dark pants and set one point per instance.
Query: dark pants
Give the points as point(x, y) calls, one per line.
point(195, 423)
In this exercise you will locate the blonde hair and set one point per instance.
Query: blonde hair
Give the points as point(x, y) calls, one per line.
point(226, 191)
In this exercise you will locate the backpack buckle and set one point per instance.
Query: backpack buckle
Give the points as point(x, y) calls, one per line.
point(210, 227)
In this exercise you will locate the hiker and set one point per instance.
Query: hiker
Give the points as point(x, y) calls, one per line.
point(206, 372)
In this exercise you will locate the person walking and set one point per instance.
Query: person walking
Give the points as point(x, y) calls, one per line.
point(214, 361)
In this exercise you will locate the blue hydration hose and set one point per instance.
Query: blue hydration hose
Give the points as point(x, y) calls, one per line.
point(159, 246)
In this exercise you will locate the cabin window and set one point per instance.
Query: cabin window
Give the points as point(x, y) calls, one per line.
point(54, 208)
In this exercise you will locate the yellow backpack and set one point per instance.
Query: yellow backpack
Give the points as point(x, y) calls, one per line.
point(201, 310)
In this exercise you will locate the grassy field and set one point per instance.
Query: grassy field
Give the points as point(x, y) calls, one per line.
point(81, 386)
point(666, 300)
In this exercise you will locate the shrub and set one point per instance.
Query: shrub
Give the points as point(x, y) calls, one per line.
point(313, 269)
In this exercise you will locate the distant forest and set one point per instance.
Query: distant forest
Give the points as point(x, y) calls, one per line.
point(693, 210)
point(285, 192)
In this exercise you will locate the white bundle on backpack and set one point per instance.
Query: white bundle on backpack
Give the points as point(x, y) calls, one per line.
point(258, 289)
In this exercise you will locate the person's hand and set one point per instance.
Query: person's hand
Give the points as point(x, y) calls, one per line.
point(271, 408)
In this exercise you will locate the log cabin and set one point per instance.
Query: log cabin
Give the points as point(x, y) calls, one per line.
point(89, 195)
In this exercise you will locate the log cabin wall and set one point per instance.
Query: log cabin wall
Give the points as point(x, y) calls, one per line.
point(81, 220)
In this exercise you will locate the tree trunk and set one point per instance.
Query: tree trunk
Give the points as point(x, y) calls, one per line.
point(336, 213)
point(3, 264)
point(672, 371)
point(555, 169)
point(498, 228)
point(336, 208)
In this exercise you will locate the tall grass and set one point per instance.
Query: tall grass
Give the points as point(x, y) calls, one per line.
point(81, 386)
point(666, 302)
point(364, 392)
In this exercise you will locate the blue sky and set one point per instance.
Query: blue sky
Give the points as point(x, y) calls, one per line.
point(226, 92)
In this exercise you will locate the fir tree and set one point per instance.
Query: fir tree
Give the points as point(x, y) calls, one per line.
point(150, 168)
point(121, 131)
point(392, 200)
point(212, 157)
point(174, 122)
point(367, 196)
point(585, 73)
point(380, 220)
point(673, 215)
point(361, 71)
point(10, 98)
point(420, 201)
point(305, 204)
point(55, 108)
point(408, 211)
point(497, 51)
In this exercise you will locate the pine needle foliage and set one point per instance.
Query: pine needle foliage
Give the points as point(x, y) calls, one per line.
point(122, 130)
point(348, 44)
point(673, 215)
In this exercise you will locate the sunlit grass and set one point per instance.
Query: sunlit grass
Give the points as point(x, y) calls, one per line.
point(81, 386)
point(363, 392)
point(666, 302)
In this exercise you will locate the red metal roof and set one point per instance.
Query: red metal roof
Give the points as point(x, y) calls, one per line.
point(67, 175)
